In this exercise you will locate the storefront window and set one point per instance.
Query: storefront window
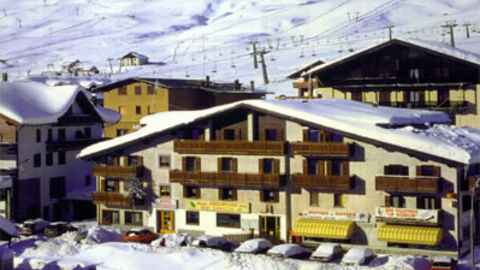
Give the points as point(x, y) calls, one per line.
point(133, 218)
point(228, 220)
point(192, 217)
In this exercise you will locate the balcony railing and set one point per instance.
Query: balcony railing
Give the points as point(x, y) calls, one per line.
point(108, 171)
point(420, 184)
point(331, 149)
point(328, 182)
point(112, 199)
point(230, 147)
point(70, 145)
point(227, 179)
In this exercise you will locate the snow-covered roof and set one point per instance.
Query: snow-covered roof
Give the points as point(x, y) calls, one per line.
point(432, 46)
point(6, 164)
point(135, 54)
point(29, 102)
point(362, 121)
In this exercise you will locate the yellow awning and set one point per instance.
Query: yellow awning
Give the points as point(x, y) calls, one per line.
point(323, 228)
point(417, 235)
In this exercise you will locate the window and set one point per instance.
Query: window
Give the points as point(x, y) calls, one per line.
point(88, 180)
point(111, 185)
point(87, 132)
point(227, 165)
point(313, 135)
point(338, 200)
point(314, 198)
point(191, 192)
point(396, 170)
point(121, 132)
point(227, 194)
point(466, 203)
point(229, 134)
point(313, 167)
point(192, 217)
point(61, 134)
point(50, 135)
point(37, 160)
point(397, 201)
point(426, 170)
point(122, 110)
point(150, 90)
point(79, 134)
point(164, 161)
point(196, 134)
point(228, 220)
point(138, 90)
point(138, 109)
point(165, 190)
point(271, 134)
point(110, 217)
point(268, 195)
point(38, 135)
point(133, 218)
point(49, 159)
point(134, 161)
point(426, 202)
point(337, 137)
point(122, 91)
point(268, 166)
point(57, 187)
point(61, 157)
point(337, 167)
point(190, 165)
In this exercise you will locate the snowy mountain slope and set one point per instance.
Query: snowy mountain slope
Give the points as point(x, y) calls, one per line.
point(211, 37)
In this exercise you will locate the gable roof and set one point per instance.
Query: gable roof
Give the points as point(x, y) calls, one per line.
point(135, 54)
point(30, 102)
point(433, 47)
point(350, 118)
point(299, 72)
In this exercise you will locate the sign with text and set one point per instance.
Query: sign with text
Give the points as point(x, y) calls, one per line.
point(424, 215)
point(338, 215)
point(218, 206)
point(164, 203)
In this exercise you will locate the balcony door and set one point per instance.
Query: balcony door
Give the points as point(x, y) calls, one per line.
point(165, 222)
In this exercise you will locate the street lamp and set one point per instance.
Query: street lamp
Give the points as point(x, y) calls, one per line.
point(472, 221)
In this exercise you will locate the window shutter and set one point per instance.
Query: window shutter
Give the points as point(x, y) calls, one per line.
point(220, 193)
point(260, 166)
point(103, 185)
point(279, 134)
point(345, 168)
point(437, 171)
point(218, 135)
point(262, 135)
point(234, 165)
point(276, 196)
point(329, 167)
point(321, 167)
point(201, 137)
point(184, 163)
point(198, 164)
point(184, 191)
point(219, 164)
point(117, 186)
point(419, 170)
point(276, 166)
point(305, 166)
point(387, 201)
point(126, 161)
point(305, 135)
point(140, 160)
point(198, 195)
point(262, 195)
point(115, 161)
point(234, 194)
point(238, 134)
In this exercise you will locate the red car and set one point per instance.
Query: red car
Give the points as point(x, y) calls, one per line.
point(140, 235)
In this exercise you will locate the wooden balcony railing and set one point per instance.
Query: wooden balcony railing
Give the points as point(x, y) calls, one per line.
point(329, 182)
point(331, 149)
point(117, 171)
point(420, 184)
point(112, 199)
point(230, 147)
point(227, 179)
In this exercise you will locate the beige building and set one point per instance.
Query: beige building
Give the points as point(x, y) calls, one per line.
point(319, 170)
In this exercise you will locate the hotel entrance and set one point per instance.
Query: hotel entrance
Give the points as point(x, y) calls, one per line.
point(165, 222)
point(270, 228)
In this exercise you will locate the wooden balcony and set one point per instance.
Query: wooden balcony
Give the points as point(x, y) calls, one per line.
point(421, 184)
point(112, 199)
point(227, 179)
point(230, 147)
point(330, 149)
point(108, 171)
point(329, 182)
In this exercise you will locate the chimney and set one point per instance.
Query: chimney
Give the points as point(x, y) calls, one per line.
point(207, 80)
point(252, 85)
point(236, 85)
point(4, 77)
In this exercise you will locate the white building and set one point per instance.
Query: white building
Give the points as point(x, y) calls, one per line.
point(133, 59)
point(48, 126)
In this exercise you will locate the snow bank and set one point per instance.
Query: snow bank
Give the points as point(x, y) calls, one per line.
point(173, 240)
point(101, 234)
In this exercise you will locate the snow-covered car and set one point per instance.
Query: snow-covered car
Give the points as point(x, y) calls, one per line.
point(140, 235)
point(289, 251)
point(443, 263)
point(33, 226)
point(254, 246)
point(211, 241)
point(55, 229)
point(327, 252)
point(173, 240)
point(358, 256)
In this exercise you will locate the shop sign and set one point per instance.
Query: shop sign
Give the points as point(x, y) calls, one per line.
point(424, 215)
point(164, 203)
point(338, 215)
point(218, 206)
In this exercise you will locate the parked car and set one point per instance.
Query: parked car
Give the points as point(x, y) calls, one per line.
point(443, 263)
point(58, 228)
point(33, 226)
point(173, 240)
point(210, 241)
point(140, 235)
point(327, 252)
point(289, 251)
point(254, 246)
point(358, 256)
